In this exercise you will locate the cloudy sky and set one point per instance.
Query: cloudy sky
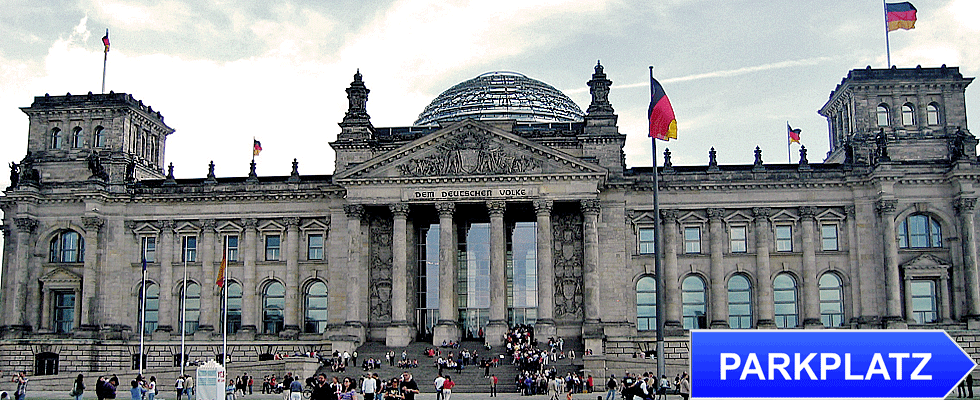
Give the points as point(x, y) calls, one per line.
point(222, 71)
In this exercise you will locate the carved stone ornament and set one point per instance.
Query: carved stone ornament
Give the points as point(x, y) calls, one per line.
point(398, 209)
point(496, 207)
point(92, 223)
point(590, 206)
point(130, 225)
point(471, 152)
point(26, 224)
point(715, 213)
point(668, 216)
point(291, 222)
point(250, 223)
point(543, 206)
point(850, 211)
point(761, 212)
point(808, 212)
point(354, 211)
point(208, 224)
point(568, 255)
point(446, 208)
point(965, 204)
point(380, 268)
point(886, 206)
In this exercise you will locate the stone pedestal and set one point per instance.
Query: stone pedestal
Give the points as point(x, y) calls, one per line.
point(445, 332)
point(342, 343)
point(355, 329)
point(204, 332)
point(597, 345)
point(810, 323)
point(246, 332)
point(398, 335)
point(544, 329)
point(895, 323)
point(162, 333)
point(494, 333)
point(290, 332)
point(973, 322)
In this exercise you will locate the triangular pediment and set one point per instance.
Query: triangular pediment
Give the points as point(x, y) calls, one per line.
point(926, 262)
point(60, 275)
point(474, 150)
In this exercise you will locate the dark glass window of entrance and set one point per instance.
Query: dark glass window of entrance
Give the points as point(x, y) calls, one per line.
point(427, 312)
point(522, 274)
point(473, 288)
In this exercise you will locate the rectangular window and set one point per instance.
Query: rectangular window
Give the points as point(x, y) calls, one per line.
point(646, 238)
point(149, 246)
point(924, 308)
point(692, 240)
point(64, 311)
point(231, 247)
point(828, 233)
point(314, 247)
point(737, 237)
point(272, 248)
point(784, 238)
point(188, 249)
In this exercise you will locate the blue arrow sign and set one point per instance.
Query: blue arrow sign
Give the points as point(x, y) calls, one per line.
point(826, 364)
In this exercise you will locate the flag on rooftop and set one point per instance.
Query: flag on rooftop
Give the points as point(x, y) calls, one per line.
point(900, 15)
point(105, 40)
point(792, 134)
point(663, 125)
point(256, 147)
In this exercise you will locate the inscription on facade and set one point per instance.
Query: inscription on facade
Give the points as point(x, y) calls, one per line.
point(474, 193)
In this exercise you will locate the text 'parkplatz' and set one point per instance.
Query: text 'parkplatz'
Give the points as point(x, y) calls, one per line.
point(825, 364)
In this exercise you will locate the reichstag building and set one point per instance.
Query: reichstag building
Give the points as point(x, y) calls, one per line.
point(504, 203)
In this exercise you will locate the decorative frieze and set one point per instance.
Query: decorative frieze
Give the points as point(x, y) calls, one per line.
point(568, 256)
point(470, 153)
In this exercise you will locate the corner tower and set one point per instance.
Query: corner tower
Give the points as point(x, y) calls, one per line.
point(899, 114)
point(112, 138)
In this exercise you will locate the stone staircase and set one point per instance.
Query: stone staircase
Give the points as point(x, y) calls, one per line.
point(470, 380)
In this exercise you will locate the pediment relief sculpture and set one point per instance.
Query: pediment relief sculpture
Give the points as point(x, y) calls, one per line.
point(471, 153)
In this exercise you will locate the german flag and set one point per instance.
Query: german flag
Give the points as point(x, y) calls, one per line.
point(792, 134)
point(663, 125)
point(256, 147)
point(900, 15)
point(105, 40)
point(221, 272)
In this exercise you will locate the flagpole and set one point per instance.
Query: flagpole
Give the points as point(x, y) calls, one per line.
point(789, 141)
point(888, 50)
point(183, 316)
point(142, 315)
point(105, 59)
point(658, 265)
point(224, 330)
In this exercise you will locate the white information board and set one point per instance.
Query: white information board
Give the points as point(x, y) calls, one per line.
point(211, 378)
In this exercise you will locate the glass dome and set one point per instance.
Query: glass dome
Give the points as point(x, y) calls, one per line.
point(501, 95)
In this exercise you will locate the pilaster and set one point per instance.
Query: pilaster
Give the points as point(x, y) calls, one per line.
point(763, 271)
point(893, 283)
point(810, 282)
point(497, 326)
point(718, 292)
point(399, 333)
point(447, 329)
point(545, 325)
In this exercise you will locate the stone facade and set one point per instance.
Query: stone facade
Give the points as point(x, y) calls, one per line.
point(451, 231)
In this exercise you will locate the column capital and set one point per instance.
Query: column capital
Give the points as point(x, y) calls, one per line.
point(761, 212)
point(885, 207)
point(668, 216)
point(291, 222)
point(25, 224)
point(590, 206)
point(808, 212)
point(965, 205)
point(5, 229)
point(543, 206)
point(446, 208)
point(92, 223)
point(250, 223)
point(496, 207)
point(129, 224)
point(209, 224)
point(399, 209)
point(354, 211)
point(851, 211)
point(716, 213)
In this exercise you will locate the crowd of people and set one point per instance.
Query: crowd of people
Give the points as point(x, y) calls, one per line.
point(648, 387)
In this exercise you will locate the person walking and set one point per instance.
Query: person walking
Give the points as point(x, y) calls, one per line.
point(369, 386)
point(447, 388)
point(554, 387)
point(151, 388)
point(78, 388)
point(348, 390)
point(493, 386)
point(110, 387)
point(189, 387)
point(611, 385)
point(179, 386)
point(137, 392)
point(438, 384)
point(685, 386)
point(409, 387)
point(969, 384)
point(21, 380)
point(296, 390)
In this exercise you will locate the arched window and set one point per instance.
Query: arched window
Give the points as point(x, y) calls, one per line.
point(646, 304)
point(831, 300)
point(98, 139)
point(739, 302)
point(908, 115)
point(882, 115)
point(193, 308)
point(76, 137)
point(234, 306)
point(932, 114)
point(66, 247)
point(273, 300)
point(919, 231)
point(316, 308)
point(784, 299)
point(152, 317)
point(694, 299)
point(56, 139)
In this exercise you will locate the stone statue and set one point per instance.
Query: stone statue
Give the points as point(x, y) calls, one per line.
point(28, 174)
point(14, 174)
point(131, 171)
point(96, 167)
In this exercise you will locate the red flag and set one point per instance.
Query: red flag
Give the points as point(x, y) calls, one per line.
point(663, 125)
point(105, 40)
point(792, 134)
point(221, 272)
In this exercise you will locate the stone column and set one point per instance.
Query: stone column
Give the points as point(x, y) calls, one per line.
point(497, 327)
point(893, 282)
point(852, 256)
point(447, 328)
point(763, 271)
point(810, 281)
point(16, 314)
point(590, 263)
point(209, 240)
point(291, 311)
point(964, 208)
point(718, 292)
point(399, 334)
point(164, 254)
point(251, 299)
point(91, 311)
point(45, 324)
point(356, 271)
point(545, 325)
point(673, 312)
